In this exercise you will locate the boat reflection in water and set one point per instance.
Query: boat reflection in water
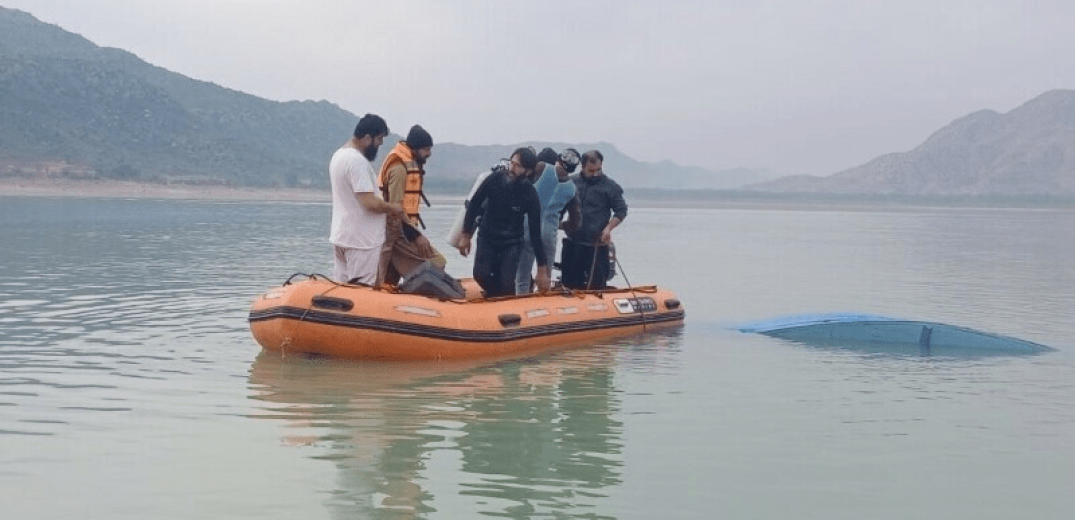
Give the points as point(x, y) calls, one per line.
point(502, 438)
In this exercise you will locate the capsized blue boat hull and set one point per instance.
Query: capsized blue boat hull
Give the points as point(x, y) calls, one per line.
point(858, 330)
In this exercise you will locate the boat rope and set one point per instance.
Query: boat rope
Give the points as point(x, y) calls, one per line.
point(632, 289)
point(593, 267)
point(313, 276)
point(292, 277)
point(283, 346)
point(616, 258)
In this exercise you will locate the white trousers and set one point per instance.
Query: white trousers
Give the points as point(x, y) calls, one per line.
point(356, 263)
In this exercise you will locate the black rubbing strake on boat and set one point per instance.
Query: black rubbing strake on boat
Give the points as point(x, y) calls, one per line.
point(450, 334)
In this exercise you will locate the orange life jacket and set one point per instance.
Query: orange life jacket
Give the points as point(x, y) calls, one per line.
point(412, 188)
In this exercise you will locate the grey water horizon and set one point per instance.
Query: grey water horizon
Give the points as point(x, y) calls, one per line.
point(131, 387)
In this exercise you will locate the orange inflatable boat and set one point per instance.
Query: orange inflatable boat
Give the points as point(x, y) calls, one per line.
point(319, 316)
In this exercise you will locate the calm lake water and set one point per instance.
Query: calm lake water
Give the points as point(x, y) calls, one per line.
point(130, 386)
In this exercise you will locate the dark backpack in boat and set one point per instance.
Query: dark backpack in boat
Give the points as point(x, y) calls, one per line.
point(429, 280)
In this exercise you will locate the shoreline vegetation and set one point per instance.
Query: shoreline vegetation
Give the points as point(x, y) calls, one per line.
point(126, 189)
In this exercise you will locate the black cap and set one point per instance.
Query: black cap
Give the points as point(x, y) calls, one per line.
point(548, 156)
point(418, 138)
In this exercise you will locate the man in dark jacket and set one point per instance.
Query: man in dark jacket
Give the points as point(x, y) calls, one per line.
point(584, 262)
point(510, 197)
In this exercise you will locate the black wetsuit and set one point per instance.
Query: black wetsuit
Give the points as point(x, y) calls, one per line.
point(496, 257)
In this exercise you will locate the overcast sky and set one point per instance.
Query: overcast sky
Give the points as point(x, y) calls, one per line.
point(798, 86)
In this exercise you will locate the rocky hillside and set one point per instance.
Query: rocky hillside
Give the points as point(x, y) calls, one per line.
point(1028, 151)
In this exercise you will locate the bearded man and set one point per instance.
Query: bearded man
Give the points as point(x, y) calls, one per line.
point(584, 262)
point(512, 201)
point(402, 178)
point(358, 211)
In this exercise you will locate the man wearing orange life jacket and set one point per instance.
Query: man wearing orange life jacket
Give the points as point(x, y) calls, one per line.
point(402, 176)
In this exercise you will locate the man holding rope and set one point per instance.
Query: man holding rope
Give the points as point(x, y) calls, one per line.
point(584, 262)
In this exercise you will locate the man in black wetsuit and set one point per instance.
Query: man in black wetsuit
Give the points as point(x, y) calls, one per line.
point(510, 197)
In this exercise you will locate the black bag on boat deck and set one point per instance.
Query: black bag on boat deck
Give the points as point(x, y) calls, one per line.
point(429, 280)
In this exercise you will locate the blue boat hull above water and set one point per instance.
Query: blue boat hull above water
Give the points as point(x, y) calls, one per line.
point(877, 332)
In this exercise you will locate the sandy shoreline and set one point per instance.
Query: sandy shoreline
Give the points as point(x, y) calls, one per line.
point(75, 188)
point(126, 189)
point(81, 188)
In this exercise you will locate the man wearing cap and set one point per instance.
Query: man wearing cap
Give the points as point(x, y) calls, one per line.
point(358, 211)
point(402, 177)
point(555, 190)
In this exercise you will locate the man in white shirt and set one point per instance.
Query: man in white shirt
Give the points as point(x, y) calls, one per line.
point(358, 211)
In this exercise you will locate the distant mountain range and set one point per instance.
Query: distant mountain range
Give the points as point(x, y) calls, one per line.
point(1029, 151)
point(70, 107)
point(456, 161)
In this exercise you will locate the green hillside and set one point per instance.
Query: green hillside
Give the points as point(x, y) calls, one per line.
point(65, 98)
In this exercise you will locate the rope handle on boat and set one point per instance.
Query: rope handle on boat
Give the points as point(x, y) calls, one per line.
point(292, 277)
point(315, 276)
point(311, 276)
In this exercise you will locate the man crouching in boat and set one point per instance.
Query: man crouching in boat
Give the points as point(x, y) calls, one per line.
point(510, 198)
point(358, 211)
point(402, 176)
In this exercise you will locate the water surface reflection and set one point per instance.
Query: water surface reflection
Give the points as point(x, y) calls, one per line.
point(513, 438)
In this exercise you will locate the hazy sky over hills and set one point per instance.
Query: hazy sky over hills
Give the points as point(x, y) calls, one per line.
point(800, 86)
